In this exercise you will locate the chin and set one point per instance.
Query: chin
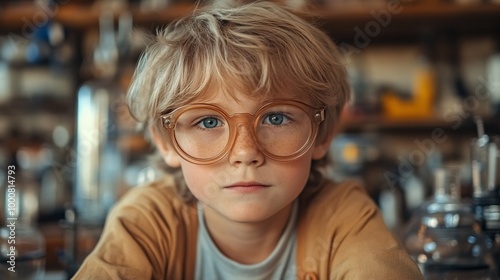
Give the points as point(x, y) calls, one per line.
point(250, 213)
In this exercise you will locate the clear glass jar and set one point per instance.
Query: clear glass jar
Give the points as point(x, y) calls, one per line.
point(443, 235)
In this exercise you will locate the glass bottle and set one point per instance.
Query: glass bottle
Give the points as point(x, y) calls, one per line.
point(444, 237)
point(98, 162)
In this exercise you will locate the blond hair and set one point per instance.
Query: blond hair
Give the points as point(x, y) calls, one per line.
point(261, 48)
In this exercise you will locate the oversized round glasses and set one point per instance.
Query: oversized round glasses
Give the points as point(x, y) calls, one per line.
point(282, 129)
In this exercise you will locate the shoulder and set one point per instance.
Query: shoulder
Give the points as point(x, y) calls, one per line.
point(155, 197)
point(341, 209)
point(342, 235)
point(154, 209)
point(147, 229)
point(338, 200)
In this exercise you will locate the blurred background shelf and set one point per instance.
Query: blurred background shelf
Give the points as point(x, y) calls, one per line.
point(378, 124)
point(406, 19)
point(412, 19)
point(80, 16)
point(424, 56)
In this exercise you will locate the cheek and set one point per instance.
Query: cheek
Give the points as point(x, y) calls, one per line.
point(202, 181)
point(295, 173)
point(195, 178)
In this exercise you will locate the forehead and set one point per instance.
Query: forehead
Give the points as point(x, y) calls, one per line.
point(232, 102)
point(228, 94)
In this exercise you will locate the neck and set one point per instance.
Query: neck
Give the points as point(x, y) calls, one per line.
point(246, 243)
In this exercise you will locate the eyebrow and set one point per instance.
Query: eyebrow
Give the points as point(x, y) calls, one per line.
point(259, 104)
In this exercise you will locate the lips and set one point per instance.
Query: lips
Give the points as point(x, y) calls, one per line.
point(247, 187)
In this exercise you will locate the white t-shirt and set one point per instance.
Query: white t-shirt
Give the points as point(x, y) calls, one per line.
point(280, 264)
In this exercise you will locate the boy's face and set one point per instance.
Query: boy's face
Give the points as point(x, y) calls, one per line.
point(245, 185)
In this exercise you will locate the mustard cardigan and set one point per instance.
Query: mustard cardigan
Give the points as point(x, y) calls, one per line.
point(151, 234)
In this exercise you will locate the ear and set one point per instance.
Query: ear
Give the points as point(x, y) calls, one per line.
point(168, 154)
point(320, 149)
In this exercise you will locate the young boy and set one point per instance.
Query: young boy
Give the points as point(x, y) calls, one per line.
point(242, 104)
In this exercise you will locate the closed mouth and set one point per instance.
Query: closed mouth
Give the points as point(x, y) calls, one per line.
point(246, 186)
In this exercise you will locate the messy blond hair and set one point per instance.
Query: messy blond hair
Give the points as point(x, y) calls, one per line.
point(260, 49)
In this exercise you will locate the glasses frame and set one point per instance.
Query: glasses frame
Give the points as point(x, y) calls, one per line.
point(169, 120)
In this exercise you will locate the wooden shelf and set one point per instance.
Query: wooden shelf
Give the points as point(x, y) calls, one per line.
point(81, 17)
point(340, 21)
point(57, 106)
point(16, 17)
point(379, 124)
point(413, 20)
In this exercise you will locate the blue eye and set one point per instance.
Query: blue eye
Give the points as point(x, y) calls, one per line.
point(209, 122)
point(275, 119)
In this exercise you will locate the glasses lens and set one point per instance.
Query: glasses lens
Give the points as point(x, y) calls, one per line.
point(283, 130)
point(201, 133)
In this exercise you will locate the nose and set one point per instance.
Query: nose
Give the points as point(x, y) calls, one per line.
point(245, 150)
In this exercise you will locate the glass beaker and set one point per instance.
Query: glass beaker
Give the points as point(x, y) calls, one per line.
point(485, 162)
point(443, 235)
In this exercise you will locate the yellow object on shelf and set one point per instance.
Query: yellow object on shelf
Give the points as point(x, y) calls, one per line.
point(420, 106)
